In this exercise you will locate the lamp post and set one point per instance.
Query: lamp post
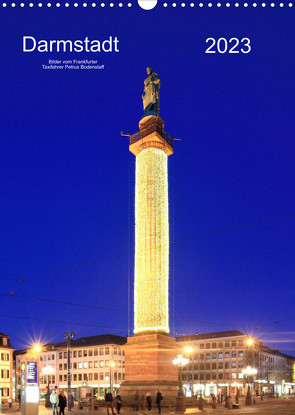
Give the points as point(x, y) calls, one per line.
point(68, 337)
point(47, 370)
point(188, 351)
point(180, 362)
point(112, 365)
point(249, 374)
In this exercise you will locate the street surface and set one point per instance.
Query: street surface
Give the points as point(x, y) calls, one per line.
point(265, 407)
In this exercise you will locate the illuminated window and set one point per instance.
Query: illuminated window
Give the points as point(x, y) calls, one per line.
point(208, 355)
point(85, 365)
point(90, 376)
point(95, 352)
point(115, 350)
point(4, 341)
point(79, 365)
point(241, 354)
point(101, 363)
point(96, 363)
point(226, 355)
point(107, 350)
point(233, 364)
point(90, 365)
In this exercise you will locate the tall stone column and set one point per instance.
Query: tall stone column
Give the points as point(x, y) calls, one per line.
point(149, 353)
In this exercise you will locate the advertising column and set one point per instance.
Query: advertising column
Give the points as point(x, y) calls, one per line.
point(30, 388)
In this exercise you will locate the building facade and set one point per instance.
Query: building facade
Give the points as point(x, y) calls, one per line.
point(6, 366)
point(217, 361)
point(90, 364)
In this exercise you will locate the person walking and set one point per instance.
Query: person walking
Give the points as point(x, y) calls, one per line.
point(9, 400)
point(136, 400)
point(213, 401)
point(149, 401)
point(109, 401)
point(54, 402)
point(118, 403)
point(158, 401)
point(62, 403)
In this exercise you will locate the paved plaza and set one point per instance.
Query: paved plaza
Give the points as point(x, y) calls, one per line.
point(266, 407)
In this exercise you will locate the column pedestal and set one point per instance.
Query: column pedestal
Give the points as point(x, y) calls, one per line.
point(149, 368)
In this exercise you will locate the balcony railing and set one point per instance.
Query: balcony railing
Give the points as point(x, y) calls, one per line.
point(151, 126)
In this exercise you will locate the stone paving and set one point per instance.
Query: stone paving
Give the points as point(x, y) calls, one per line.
point(265, 407)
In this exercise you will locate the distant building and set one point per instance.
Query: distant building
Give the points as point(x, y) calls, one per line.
point(6, 366)
point(217, 360)
point(90, 364)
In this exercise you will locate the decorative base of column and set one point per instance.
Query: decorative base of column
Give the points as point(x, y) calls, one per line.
point(180, 405)
point(149, 368)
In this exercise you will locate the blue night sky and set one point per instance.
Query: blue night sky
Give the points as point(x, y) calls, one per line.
point(67, 177)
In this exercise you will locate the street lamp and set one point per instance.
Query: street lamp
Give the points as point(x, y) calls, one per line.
point(68, 337)
point(47, 370)
point(112, 365)
point(180, 362)
point(249, 374)
point(188, 351)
